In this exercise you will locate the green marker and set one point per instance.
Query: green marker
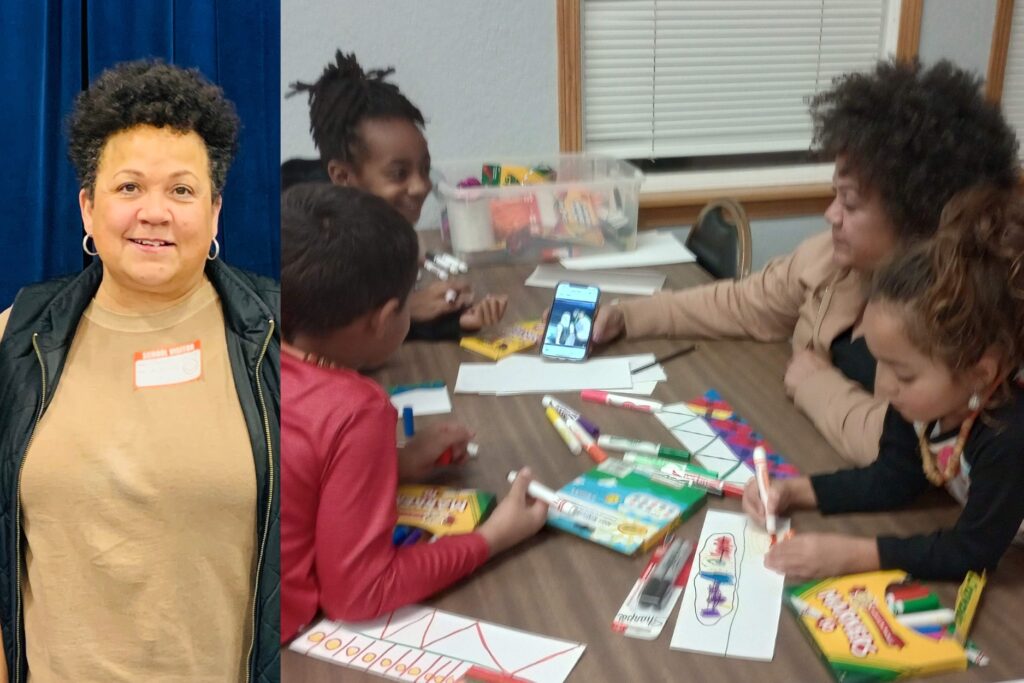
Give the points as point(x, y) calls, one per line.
point(666, 465)
point(622, 444)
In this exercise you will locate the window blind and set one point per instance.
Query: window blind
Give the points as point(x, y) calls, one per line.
point(1013, 77)
point(678, 78)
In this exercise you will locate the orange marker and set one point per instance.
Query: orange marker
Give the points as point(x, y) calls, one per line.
point(595, 452)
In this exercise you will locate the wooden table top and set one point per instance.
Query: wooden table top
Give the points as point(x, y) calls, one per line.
point(562, 586)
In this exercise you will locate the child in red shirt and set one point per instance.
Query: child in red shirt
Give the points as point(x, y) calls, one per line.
point(348, 263)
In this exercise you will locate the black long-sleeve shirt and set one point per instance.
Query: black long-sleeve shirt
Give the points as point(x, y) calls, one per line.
point(992, 515)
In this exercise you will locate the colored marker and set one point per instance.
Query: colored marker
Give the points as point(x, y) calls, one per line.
point(578, 511)
point(935, 617)
point(568, 413)
point(472, 449)
point(976, 656)
point(763, 485)
point(639, 404)
point(563, 431)
point(804, 608)
point(909, 591)
point(435, 270)
point(413, 537)
point(694, 476)
point(408, 422)
point(622, 444)
point(399, 534)
point(451, 263)
point(586, 441)
point(919, 605)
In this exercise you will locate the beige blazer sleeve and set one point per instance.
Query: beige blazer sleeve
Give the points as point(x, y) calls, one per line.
point(847, 416)
point(763, 306)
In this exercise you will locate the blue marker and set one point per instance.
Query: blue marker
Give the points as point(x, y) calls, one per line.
point(413, 537)
point(401, 531)
point(407, 422)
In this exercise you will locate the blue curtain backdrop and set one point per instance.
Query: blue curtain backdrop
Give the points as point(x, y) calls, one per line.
point(51, 49)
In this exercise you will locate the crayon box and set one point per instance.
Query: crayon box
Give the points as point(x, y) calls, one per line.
point(442, 510)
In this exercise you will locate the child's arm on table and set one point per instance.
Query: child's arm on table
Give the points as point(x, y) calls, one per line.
point(418, 457)
point(360, 573)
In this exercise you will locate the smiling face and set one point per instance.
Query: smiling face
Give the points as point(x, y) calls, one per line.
point(393, 164)
point(152, 214)
point(862, 233)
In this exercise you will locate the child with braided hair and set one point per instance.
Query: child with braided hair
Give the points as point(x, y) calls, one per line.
point(370, 137)
point(945, 320)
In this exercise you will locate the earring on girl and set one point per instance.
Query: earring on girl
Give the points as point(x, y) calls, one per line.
point(974, 402)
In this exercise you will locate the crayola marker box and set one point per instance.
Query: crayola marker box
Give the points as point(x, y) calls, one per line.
point(849, 621)
point(442, 510)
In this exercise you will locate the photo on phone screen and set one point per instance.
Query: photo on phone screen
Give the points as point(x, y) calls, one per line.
point(572, 316)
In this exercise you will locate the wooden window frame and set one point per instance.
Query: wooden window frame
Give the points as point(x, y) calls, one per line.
point(998, 52)
point(681, 208)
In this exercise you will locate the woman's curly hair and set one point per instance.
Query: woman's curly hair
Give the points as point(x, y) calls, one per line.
point(961, 293)
point(917, 136)
point(152, 93)
point(342, 98)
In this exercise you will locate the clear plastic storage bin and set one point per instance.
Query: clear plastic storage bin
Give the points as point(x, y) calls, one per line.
point(538, 209)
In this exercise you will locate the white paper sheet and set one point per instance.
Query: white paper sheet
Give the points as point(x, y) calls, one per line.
point(422, 644)
point(426, 401)
point(644, 282)
point(731, 603)
point(533, 374)
point(708, 448)
point(652, 249)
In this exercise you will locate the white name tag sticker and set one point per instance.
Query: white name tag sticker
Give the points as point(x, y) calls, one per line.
point(168, 366)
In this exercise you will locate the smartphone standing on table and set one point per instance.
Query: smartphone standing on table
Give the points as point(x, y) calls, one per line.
point(567, 336)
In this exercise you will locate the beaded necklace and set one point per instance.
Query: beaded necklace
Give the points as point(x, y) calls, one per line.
point(929, 459)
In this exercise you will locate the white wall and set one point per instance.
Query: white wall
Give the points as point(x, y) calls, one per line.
point(485, 76)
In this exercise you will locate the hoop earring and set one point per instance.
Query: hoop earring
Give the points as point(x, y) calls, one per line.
point(216, 251)
point(974, 402)
point(85, 245)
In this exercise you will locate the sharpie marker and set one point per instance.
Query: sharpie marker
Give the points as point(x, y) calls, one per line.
point(622, 444)
point(586, 441)
point(577, 511)
point(436, 270)
point(639, 404)
point(661, 580)
point(563, 431)
point(568, 413)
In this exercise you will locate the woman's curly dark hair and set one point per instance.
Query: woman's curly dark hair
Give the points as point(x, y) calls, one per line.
point(962, 292)
point(342, 98)
point(150, 92)
point(917, 136)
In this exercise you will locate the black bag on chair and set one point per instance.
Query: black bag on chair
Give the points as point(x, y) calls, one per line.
point(720, 239)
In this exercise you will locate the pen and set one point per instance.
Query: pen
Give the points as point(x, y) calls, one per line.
point(763, 485)
point(622, 444)
point(665, 359)
point(598, 396)
point(568, 413)
point(563, 431)
point(661, 580)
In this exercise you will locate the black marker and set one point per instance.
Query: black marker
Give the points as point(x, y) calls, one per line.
point(659, 583)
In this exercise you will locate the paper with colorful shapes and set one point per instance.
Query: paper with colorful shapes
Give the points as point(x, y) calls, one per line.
point(720, 440)
point(427, 645)
point(731, 603)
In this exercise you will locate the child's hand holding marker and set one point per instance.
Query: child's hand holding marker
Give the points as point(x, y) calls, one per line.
point(812, 556)
point(440, 443)
point(783, 495)
point(483, 313)
point(436, 299)
point(517, 517)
